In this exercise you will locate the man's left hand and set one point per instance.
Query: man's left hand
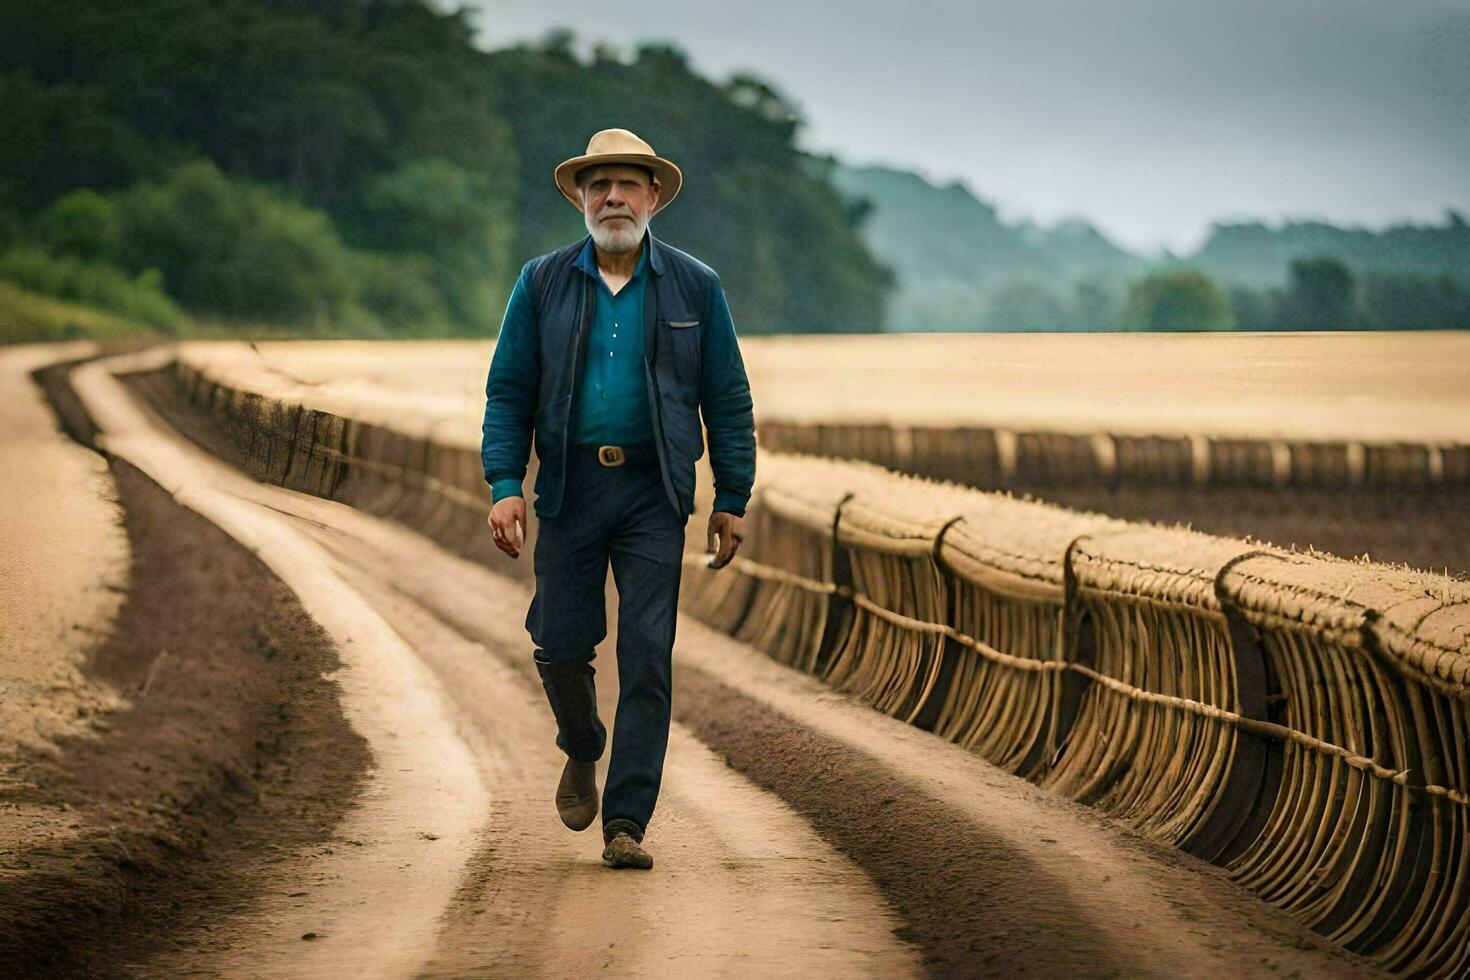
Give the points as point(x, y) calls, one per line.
point(731, 530)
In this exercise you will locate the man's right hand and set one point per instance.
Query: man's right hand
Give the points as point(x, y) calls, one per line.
point(508, 523)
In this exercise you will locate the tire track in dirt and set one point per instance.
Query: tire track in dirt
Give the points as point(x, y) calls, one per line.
point(740, 885)
point(223, 740)
point(743, 885)
point(375, 900)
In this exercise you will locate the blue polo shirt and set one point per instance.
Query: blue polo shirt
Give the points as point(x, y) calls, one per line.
point(612, 393)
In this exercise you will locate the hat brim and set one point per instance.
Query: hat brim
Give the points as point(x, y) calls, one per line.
point(670, 177)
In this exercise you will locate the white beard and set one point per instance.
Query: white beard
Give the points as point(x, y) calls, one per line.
point(616, 237)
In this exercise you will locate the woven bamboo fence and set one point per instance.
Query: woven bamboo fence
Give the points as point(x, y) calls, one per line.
point(997, 457)
point(1301, 721)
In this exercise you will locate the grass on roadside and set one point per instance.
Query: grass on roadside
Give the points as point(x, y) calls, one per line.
point(27, 317)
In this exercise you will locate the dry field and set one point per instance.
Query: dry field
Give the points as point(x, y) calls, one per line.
point(1371, 386)
point(1400, 388)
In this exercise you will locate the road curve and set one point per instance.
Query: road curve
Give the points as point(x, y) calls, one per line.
point(456, 863)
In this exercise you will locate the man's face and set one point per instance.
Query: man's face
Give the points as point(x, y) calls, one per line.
point(617, 201)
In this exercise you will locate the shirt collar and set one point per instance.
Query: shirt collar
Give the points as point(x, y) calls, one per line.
point(651, 257)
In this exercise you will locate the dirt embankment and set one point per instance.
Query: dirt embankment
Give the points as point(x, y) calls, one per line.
point(234, 748)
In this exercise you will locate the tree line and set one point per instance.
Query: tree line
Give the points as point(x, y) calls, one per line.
point(1321, 293)
point(962, 267)
point(360, 167)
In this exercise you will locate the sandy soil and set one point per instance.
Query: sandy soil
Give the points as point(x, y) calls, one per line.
point(225, 744)
point(65, 567)
point(797, 830)
point(744, 886)
point(234, 749)
point(920, 848)
point(379, 897)
point(741, 885)
point(1313, 385)
point(1394, 386)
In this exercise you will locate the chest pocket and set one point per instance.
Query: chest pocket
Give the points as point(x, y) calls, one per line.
point(683, 338)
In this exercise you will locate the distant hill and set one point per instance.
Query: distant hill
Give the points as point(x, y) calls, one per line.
point(960, 267)
point(1252, 254)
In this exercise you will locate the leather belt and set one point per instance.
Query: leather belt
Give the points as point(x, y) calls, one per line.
point(636, 453)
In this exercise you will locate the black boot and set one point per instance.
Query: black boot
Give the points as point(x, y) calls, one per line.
point(580, 733)
point(577, 799)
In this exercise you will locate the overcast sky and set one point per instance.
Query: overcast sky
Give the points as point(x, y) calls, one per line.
point(1150, 118)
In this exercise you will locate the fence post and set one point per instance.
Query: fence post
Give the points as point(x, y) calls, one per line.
point(839, 606)
point(949, 649)
point(1079, 646)
point(1249, 793)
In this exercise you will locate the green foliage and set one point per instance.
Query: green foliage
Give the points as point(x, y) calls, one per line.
point(787, 247)
point(11, 224)
point(457, 217)
point(83, 223)
point(1320, 295)
point(373, 167)
point(402, 293)
point(959, 266)
point(1325, 294)
point(28, 317)
point(1177, 299)
point(1254, 255)
point(233, 247)
point(58, 137)
point(99, 284)
point(1402, 302)
point(391, 176)
point(1095, 304)
point(1258, 309)
point(1024, 304)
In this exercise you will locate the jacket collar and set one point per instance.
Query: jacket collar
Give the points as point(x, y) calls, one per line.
point(653, 256)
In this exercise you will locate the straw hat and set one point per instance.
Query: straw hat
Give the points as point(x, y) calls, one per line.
point(619, 146)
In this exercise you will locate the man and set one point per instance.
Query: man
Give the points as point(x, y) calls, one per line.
point(610, 349)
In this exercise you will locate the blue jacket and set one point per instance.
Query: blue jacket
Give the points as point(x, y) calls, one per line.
point(692, 366)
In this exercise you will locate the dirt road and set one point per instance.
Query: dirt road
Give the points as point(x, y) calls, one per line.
point(463, 867)
point(797, 830)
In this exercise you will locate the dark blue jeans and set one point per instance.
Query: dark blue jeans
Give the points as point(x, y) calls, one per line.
point(617, 513)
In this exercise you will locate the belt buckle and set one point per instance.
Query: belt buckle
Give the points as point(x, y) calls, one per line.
point(611, 455)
